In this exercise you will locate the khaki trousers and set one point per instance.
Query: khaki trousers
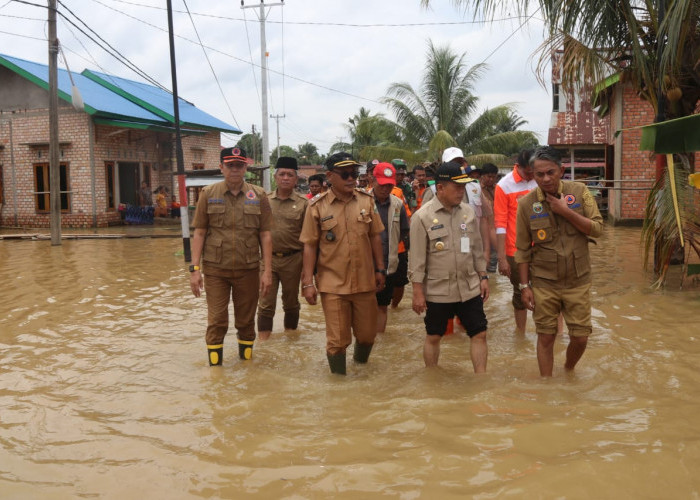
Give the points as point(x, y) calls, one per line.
point(573, 303)
point(285, 271)
point(347, 315)
point(243, 287)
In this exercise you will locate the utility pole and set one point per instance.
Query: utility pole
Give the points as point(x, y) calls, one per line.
point(262, 16)
point(184, 219)
point(54, 147)
point(277, 118)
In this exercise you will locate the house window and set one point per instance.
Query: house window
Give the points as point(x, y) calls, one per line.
point(555, 97)
point(42, 185)
point(109, 184)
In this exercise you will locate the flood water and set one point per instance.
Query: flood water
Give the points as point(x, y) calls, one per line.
point(105, 392)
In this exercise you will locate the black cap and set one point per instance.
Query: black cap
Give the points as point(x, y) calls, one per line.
point(229, 155)
point(451, 171)
point(341, 159)
point(287, 162)
point(371, 164)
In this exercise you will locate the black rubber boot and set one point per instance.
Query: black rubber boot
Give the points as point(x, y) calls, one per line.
point(337, 363)
point(264, 324)
point(245, 349)
point(216, 354)
point(361, 354)
point(291, 320)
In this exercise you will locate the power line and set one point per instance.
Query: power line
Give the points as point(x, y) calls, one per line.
point(512, 34)
point(319, 23)
point(210, 66)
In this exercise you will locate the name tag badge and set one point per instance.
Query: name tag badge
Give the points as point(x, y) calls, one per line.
point(464, 243)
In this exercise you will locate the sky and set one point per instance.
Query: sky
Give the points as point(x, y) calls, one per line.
point(327, 58)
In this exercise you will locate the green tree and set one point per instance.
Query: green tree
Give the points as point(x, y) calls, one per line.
point(284, 151)
point(653, 46)
point(442, 111)
point(366, 129)
point(252, 145)
point(307, 154)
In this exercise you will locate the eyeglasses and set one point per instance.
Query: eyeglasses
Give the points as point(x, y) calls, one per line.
point(346, 174)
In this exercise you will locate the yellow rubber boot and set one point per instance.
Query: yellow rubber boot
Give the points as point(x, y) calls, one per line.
point(245, 349)
point(216, 354)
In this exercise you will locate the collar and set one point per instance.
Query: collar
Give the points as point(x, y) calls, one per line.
point(516, 175)
point(273, 194)
point(443, 207)
point(540, 194)
point(332, 197)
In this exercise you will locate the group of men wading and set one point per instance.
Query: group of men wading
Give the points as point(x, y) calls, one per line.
point(349, 246)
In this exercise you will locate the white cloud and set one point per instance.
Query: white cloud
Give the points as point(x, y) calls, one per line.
point(362, 61)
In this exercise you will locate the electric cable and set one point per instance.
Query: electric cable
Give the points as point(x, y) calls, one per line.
point(210, 65)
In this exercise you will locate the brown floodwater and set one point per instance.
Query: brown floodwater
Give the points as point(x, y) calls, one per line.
point(105, 392)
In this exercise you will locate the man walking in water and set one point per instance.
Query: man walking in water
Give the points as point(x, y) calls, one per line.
point(554, 223)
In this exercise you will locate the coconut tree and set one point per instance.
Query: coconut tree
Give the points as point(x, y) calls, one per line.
point(652, 45)
point(442, 111)
point(366, 129)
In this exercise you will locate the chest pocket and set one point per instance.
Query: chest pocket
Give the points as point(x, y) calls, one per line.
point(216, 213)
point(293, 214)
point(328, 234)
point(570, 228)
point(251, 216)
point(541, 229)
point(438, 240)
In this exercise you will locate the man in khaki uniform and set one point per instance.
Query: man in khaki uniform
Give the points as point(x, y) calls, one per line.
point(342, 240)
point(553, 224)
point(288, 209)
point(447, 267)
point(232, 223)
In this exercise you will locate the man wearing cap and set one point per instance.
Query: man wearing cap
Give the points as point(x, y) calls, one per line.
point(472, 191)
point(403, 191)
point(554, 226)
point(396, 228)
point(232, 223)
point(342, 240)
point(288, 210)
point(447, 267)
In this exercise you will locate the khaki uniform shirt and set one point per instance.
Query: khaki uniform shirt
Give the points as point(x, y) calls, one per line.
point(556, 250)
point(436, 258)
point(342, 231)
point(233, 225)
point(289, 217)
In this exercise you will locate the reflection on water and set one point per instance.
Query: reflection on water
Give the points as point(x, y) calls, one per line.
point(105, 392)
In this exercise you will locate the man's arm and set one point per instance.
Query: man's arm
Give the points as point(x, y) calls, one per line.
point(378, 257)
point(308, 289)
point(196, 282)
point(266, 278)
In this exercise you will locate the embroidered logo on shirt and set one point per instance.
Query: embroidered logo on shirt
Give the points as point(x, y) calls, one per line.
point(215, 201)
point(537, 207)
point(541, 234)
point(250, 195)
point(570, 199)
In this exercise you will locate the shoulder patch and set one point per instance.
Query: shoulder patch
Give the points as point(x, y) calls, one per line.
point(315, 199)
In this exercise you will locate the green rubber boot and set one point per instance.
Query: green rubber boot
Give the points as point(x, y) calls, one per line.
point(337, 363)
point(361, 354)
point(245, 349)
point(216, 354)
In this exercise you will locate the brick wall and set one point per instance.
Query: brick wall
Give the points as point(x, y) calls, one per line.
point(152, 151)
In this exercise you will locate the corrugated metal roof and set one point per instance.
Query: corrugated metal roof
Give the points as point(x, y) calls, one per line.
point(112, 97)
point(158, 101)
point(98, 100)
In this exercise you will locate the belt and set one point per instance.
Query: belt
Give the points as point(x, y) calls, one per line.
point(285, 254)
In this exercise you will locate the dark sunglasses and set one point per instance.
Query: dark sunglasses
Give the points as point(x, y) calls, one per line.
point(347, 174)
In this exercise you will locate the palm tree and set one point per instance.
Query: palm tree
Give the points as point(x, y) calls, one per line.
point(441, 112)
point(365, 130)
point(654, 46)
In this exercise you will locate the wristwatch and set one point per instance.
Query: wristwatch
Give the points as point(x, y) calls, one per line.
point(484, 277)
point(380, 271)
point(523, 286)
point(194, 268)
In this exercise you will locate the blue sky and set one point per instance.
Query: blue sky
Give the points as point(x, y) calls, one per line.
point(356, 48)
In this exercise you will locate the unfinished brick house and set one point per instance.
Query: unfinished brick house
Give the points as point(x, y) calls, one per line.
point(124, 136)
point(594, 154)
